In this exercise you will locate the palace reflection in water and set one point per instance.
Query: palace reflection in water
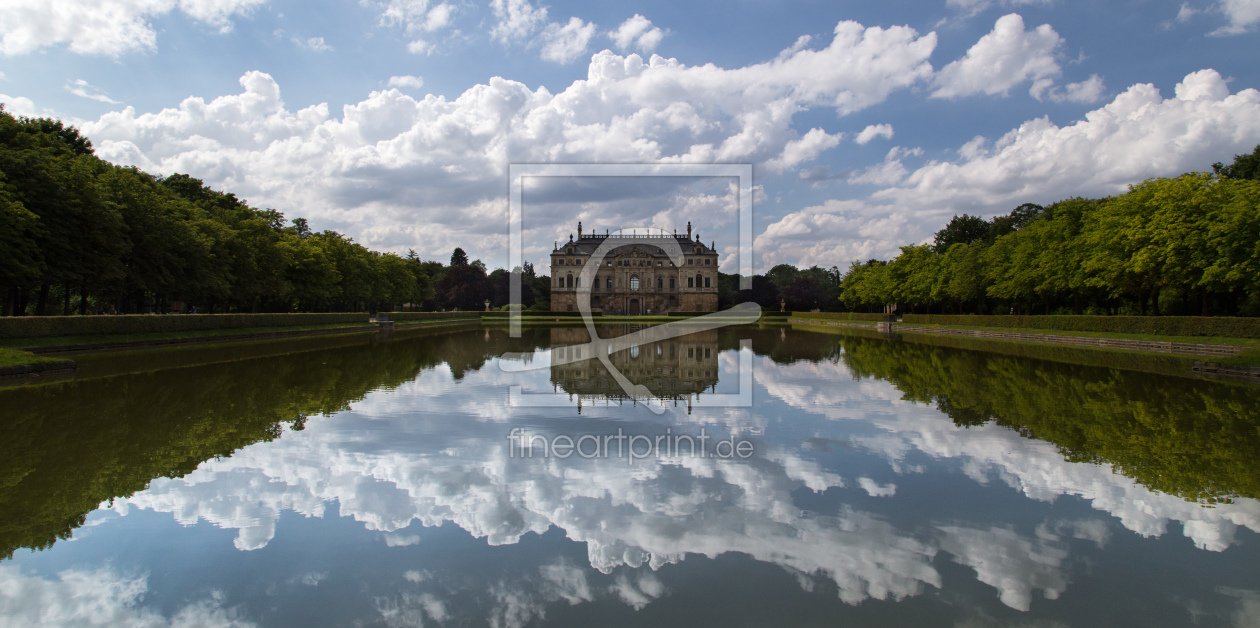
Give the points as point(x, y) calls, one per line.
point(357, 481)
point(676, 370)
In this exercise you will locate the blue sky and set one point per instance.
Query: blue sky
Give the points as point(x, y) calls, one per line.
point(868, 124)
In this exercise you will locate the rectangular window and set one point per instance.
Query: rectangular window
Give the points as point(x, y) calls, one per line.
point(660, 283)
point(609, 284)
point(690, 282)
point(671, 283)
point(706, 282)
point(708, 262)
point(691, 261)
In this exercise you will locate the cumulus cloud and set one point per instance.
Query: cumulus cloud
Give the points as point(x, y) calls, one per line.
point(873, 131)
point(1002, 59)
point(516, 19)
point(416, 16)
point(105, 27)
point(391, 162)
point(804, 149)
point(564, 44)
point(1138, 135)
point(1242, 14)
point(1088, 91)
point(637, 32)
point(406, 81)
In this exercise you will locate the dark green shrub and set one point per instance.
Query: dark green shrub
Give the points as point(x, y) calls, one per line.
point(1221, 326)
point(38, 326)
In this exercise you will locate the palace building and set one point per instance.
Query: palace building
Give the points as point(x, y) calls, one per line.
point(637, 278)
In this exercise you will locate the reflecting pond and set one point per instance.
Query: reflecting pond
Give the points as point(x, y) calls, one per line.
point(462, 477)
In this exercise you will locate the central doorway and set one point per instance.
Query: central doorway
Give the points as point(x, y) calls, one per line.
point(634, 307)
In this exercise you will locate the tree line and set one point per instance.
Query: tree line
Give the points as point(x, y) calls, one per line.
point(1186, 245)
point(81, 235)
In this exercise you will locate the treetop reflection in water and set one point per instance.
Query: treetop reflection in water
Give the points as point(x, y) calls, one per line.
point(859, 490)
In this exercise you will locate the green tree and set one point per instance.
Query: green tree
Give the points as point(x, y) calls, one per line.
point(1244, 166)
point(963, 229)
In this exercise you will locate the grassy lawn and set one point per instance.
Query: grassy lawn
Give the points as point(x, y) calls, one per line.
point(49, 341)
point(16, 357)
point(1249, 357)
point(1202, 340)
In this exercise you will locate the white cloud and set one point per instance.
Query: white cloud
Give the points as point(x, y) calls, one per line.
point(640, 592)
point(82, 88)
point(406, 81)
point(1002, 59)
point(1088, 91)
point(875, 489)
point(107, 27)
point(391, 162)
point(890, 172)
point(1138, 135)
point(316, 44)
point(439, 17)
point(1014, 565)
point(873, 131)
point(1242, 14)
point(416, 16)
point(517, 19)
point(98, 598)
point(400, 540)
point(637, 32)
point(804, 149)
point(564, 44)
point(421, 47)
point(1185, 12)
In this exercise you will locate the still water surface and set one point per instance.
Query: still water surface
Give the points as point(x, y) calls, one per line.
point(372, 482)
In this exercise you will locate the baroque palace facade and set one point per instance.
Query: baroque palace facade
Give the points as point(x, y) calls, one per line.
point(637, 278)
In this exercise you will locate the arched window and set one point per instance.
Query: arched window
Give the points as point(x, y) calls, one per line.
point(698, 280)
point(634, 282)
point(660, 283)
point(570, 282)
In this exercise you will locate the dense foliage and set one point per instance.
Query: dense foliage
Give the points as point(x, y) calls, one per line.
point(85, 235)
point(784, 285)
point(1188, 245)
